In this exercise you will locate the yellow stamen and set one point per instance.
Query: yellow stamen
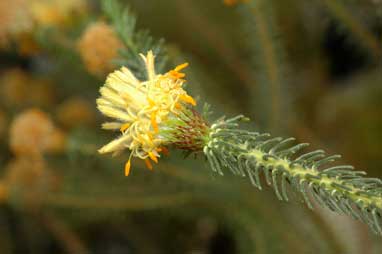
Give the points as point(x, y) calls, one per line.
point(153, 157)
point(188, 99)
point(175, 72)
point(150, 136)
point(148, 164)
point(154, 121)
point(178, 105)
point(124, 127)
point(127, 168)
point(125, 96)
point(151, 102)
point(181, 67)
point(177, 75)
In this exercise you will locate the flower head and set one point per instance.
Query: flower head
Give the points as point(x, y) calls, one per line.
point(146, 113)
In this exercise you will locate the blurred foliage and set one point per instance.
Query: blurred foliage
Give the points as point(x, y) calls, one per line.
point(309, 69)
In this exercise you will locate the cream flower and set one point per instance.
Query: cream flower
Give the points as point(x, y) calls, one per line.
point(143, 110)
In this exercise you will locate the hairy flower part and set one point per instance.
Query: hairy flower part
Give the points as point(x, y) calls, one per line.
point(32, 132)
point(145, 112)
point(98, 46)
point(191, 133)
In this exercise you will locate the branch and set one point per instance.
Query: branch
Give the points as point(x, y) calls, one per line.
point(338, 187)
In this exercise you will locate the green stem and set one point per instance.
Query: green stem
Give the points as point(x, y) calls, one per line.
point(337, 187)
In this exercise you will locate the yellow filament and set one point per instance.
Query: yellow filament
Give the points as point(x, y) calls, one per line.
point(180, 67)
point(153, 157)
point(151, 102)
point(124, 127)
point(154, 121)
point(188, 99)
point(127, 167)
point(148, 164)
point(178, 106)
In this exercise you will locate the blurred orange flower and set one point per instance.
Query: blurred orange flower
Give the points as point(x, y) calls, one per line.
point(14, 19)
point(18, 88)
point(33, 132)
point(29, 178)
point(56, 12)
point(14, 87)
point(75, 112)
point(98, 47)
point(18, 18)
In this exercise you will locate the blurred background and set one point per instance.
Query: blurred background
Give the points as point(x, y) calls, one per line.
point(307, 69)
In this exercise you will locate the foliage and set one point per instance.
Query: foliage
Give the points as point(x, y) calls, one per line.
point(337, 187)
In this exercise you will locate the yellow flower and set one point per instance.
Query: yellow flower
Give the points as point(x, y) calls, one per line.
point(144, 110)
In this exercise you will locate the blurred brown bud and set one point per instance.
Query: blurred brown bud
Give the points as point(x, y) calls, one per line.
point(18, 89)
point(98, 46)
point(33, 132)
point(25, 171)
point(29, 178)
point(14, 87)
point(3, 192)
point(42, 93)
point(76, 112)
point(27, 44)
